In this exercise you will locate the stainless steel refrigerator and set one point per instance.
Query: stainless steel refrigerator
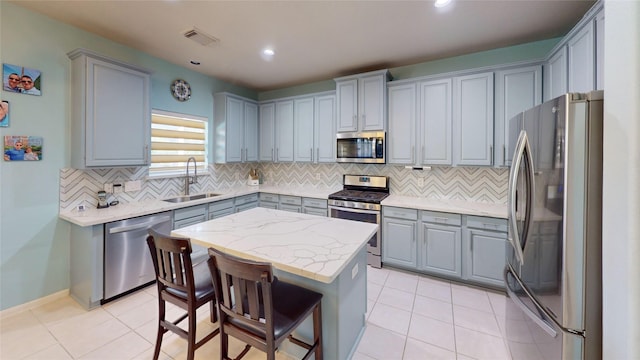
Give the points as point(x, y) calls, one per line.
point(553, 274)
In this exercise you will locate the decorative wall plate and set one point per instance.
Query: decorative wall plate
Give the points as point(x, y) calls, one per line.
point(181, 90)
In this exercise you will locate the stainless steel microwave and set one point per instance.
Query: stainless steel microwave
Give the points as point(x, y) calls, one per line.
point(361, 147)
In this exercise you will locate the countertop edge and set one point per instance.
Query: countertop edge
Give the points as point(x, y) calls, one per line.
point(92, 216)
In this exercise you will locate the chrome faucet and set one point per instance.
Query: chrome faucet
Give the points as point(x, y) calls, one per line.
point(190, 180)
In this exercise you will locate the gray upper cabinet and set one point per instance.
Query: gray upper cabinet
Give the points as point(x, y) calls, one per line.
point(435, 122)
point(235, 129)
point(103, 114)
point(516, 90)
point(420, 123)
point(361, 101)
point(300, 129)
point(599, 20)
point(555, 74)
point(267, 130)
point(576, 63)
point(325, 128)
point(581, 60)
point(284, 131)
point(250, 131)
point(303, 126)
point(473, 119)
point(401, 139)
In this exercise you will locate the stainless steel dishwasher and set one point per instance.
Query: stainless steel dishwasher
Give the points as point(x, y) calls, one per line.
point(127, 261)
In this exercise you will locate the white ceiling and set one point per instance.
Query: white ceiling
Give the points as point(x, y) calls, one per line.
point(313, 40)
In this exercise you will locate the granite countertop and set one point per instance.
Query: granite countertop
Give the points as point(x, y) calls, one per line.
point(450, 206)
point(311, 246)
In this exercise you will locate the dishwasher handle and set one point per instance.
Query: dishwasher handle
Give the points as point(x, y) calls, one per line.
point(142, 226)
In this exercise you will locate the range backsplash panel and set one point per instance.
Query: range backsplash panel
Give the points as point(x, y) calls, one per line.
point(478, 184)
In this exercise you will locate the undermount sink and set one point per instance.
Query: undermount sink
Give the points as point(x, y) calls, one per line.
point(183, 198)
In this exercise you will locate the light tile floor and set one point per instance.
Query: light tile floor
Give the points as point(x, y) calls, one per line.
point(409, 317)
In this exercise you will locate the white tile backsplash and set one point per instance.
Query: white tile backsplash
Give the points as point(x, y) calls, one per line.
point(478, 184)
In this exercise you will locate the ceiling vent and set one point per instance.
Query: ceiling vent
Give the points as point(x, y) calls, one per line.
point(200, 37)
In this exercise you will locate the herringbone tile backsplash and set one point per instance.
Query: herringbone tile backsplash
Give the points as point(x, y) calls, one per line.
point(478, 184)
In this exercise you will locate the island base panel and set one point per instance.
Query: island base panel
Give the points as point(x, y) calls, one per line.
point(344, 304)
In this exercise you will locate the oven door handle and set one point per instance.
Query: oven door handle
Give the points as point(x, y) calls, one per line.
point(354, 210)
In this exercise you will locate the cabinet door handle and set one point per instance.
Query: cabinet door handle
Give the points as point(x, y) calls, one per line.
point(272, 158)
point(318, 154)
point(277, 154)
point(490, 153)
point(441, 219)
point(311, 154)
point(413, 153)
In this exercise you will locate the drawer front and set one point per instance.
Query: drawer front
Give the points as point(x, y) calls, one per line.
point(316, 203)
point(192, 211)
point(268, 197)
point(220, 205)
point(220, 213)
point(486, 223)
point(268, 205)
point(291, 208)
point(400, 213)
point(290, 200)
point(246, 199)
point(441, 218)
point(190, 221)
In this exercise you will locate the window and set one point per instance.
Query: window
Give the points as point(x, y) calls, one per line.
point(175, 138)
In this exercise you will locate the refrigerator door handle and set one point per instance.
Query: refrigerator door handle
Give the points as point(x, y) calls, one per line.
point(533, 316)
point(522, 153)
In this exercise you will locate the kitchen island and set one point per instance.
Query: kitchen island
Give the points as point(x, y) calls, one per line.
point(326, 255)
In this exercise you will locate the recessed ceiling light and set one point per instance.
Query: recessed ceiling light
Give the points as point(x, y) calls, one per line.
point(442, 3)
point(193, 62)
point(268, 52)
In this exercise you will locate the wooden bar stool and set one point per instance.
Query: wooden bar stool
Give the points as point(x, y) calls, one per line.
point(182, 284)
point(261, 310)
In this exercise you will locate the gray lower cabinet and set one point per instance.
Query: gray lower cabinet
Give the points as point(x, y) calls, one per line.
point(268, 200)
point(314, 206)
point(400, 232)
point(441, 244)
point(221, 208)
point(459, 247)
point(290, 203)
point(246, 202)
point(189, 216)
point(484, 251)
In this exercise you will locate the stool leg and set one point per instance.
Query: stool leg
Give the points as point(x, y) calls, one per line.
point(161, 330)
point(317, 331)
point(191, 335)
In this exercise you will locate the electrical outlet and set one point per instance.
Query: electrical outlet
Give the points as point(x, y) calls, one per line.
point(420, 181)
point(318, 176)
point(108, 188)
point(117, 188)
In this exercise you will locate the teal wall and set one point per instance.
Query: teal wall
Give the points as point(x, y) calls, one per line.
point(34, 243)
point(511, 54)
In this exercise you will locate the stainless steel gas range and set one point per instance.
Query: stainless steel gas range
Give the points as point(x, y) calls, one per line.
point(359, 200)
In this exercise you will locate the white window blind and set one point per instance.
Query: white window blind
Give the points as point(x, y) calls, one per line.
point(175, 138)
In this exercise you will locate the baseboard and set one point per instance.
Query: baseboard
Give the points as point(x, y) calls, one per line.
point(32, 304)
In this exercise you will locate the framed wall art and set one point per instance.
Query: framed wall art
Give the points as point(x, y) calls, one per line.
point(19, 148)
point(19, 79)
point(4, 113)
